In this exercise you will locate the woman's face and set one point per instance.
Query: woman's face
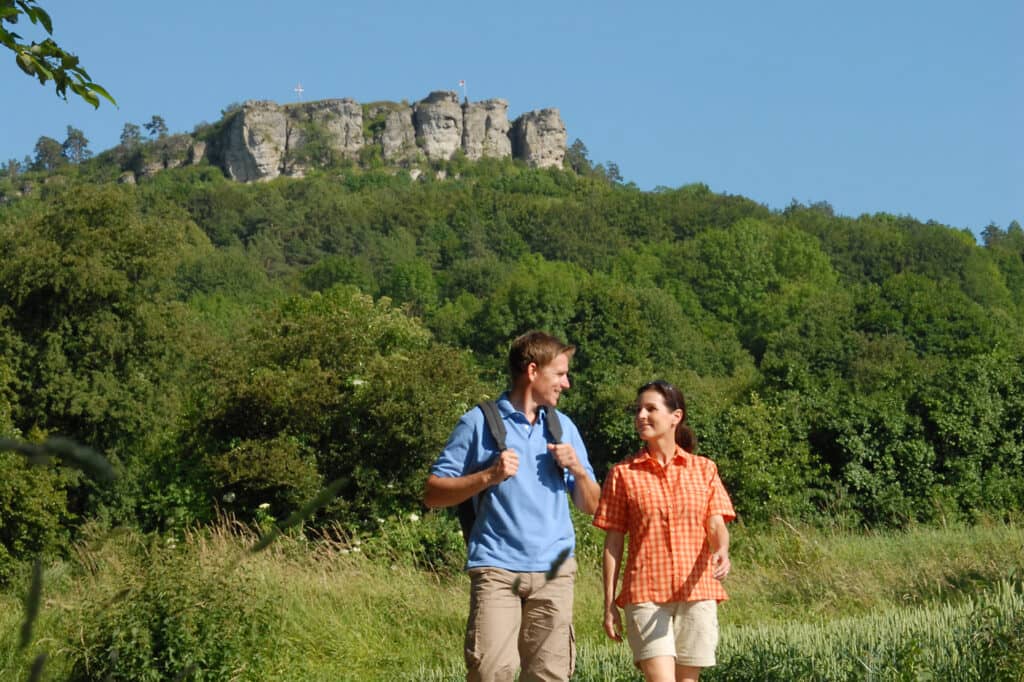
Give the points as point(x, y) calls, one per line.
point(654, 420)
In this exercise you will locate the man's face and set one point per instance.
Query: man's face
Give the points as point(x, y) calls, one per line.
point(549, 381)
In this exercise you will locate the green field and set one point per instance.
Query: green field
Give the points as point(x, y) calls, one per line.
point(807, 604)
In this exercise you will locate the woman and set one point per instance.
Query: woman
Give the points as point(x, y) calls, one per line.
point(674, 508)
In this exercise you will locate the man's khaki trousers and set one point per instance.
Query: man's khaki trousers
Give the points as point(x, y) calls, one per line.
point(520, 618)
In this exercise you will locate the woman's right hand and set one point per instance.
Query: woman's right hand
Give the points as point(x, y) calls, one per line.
point(613, 623)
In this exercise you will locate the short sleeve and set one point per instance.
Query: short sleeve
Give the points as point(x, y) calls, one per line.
point(719, 503)
point(573, 437)
point(613, 509)
point(454, 460)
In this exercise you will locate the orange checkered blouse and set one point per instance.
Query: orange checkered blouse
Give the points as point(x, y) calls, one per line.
point(664, 512)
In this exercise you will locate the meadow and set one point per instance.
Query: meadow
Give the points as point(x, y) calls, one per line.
point(807, 603)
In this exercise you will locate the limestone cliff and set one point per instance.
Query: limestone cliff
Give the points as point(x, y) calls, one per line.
point(539, 138)
point(438, 121)
point(263, 140)
point(485, 129)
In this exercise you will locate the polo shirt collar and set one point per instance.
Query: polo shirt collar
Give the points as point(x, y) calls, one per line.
point(507, 410)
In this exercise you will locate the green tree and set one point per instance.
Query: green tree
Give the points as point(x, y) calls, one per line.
point(49, 154)
point(576, 157)
point(46, 60)
point(344, 388)
point(131, 136)
point(156, 127)
point(76, 147)
point(85, 295)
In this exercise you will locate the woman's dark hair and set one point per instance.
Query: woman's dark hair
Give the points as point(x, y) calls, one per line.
point(674, 400)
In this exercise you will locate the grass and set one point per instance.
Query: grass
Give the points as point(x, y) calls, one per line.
point(328, 612)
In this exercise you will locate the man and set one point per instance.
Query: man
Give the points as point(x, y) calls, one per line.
point(520, 548)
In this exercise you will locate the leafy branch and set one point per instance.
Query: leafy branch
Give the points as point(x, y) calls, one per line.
point(47, 61)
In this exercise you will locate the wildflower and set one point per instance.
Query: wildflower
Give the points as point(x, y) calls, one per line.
point(229, 497)
point(356, 549)
point(265, 505)
point(414, 517)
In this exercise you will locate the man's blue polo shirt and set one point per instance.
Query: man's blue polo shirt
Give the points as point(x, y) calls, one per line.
point(523, 523)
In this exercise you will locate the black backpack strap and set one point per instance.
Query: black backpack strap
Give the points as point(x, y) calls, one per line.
point(467, 509)
point(553, 424)
point(494, 422)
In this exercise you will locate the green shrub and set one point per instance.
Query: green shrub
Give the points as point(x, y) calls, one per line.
point(431, 542)
point(183, 613)
point(33, 507)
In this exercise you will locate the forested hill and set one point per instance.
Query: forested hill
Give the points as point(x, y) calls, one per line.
point(228, 345)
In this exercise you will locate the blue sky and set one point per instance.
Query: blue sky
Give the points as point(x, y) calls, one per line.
point(910, 107)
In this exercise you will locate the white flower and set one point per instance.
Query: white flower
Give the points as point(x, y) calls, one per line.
point(414, 517)
point(356, 549)
point(265, 505)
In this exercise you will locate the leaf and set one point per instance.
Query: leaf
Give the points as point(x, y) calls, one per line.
point(102, 92)
point(32, 604)
point(37, 668)
point(70, 452)
point(557, 563)
point(43, 18)
point(322, 498)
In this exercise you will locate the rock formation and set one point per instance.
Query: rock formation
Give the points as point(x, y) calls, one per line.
point(254, 142)
point(539, 138)
point(485, 129)
point(172, 151)
point(438, 121)
point(391, 127)
point(263, 139)
point(320, 132)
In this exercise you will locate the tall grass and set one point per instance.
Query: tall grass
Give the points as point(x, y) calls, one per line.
point(805, 604)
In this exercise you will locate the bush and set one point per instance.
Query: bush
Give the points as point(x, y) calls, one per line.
point(32, 511)
point(183, 613)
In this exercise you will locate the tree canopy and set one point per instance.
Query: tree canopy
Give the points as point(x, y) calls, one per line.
point(231, 345)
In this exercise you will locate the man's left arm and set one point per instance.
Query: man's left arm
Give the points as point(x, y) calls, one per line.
point(585, 491)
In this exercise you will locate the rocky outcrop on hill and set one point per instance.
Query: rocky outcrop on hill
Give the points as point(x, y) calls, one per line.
point(438, 121)
point(172, 151)
point(262, 139)
point(254, 142)
point(539, 137)
point(485, 129)
point(391, 127)
point(320, 132)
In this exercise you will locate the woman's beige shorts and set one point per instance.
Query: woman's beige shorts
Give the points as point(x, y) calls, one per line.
point(687, 631)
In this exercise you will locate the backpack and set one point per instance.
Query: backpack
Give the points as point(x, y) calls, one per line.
point(466, 510)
